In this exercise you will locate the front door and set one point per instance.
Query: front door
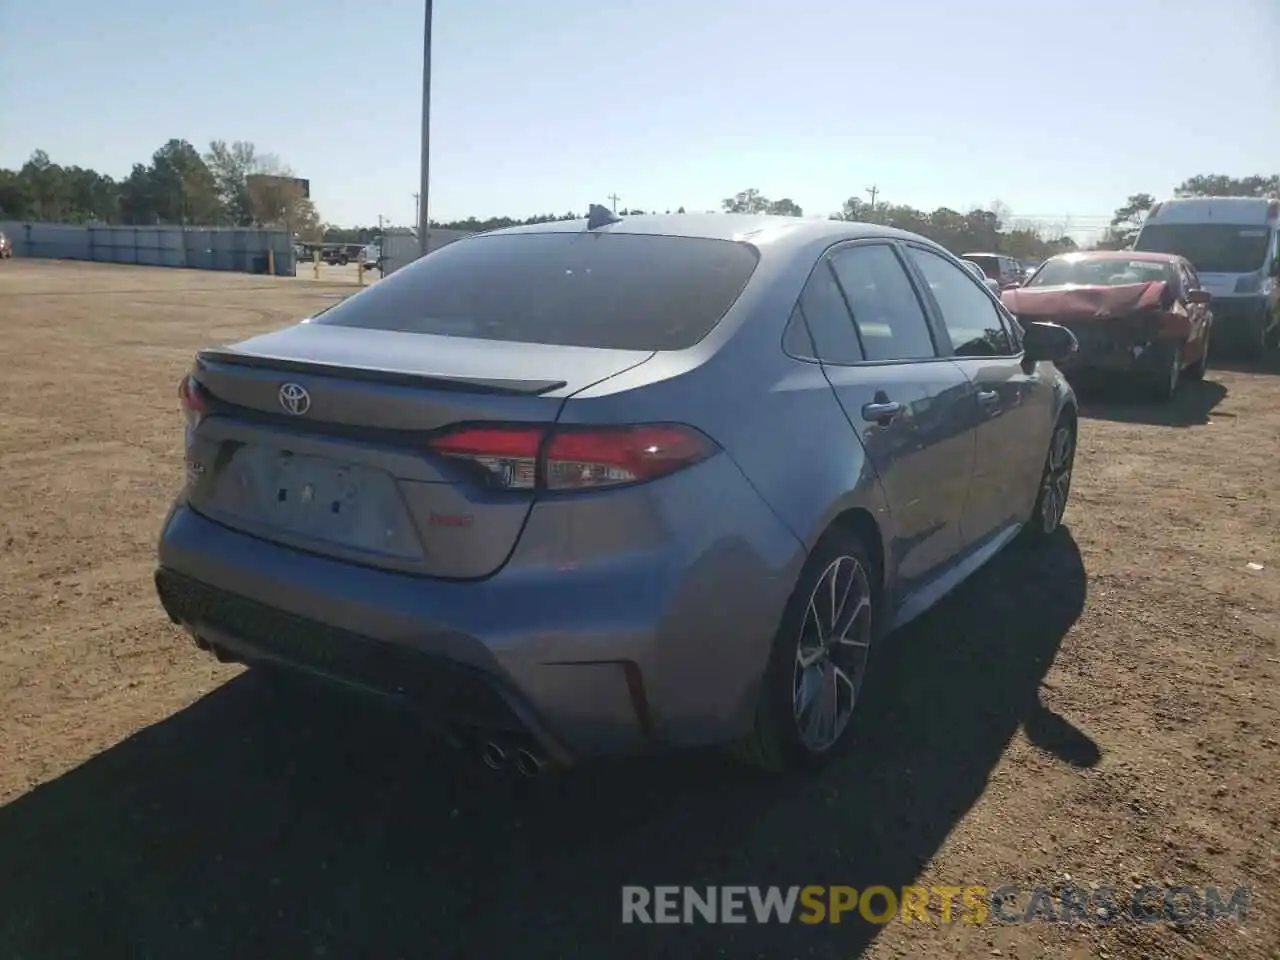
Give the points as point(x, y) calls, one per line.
point(1011, 405)
point(902, 398)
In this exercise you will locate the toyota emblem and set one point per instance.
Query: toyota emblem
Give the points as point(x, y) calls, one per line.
point(294, 399)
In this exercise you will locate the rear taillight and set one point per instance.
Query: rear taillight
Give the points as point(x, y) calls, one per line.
point(194, 403)
point(572, 458)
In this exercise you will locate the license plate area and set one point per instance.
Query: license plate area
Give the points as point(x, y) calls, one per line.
point(313, 500)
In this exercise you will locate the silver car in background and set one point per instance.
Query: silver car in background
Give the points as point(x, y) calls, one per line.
point(604, 486)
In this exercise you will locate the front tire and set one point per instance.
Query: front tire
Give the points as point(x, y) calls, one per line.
point(819, 660)
point(1164, 385)
point(1055, 482)
point(1198, 369)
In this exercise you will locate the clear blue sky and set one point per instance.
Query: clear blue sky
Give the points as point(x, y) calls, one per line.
point(547, 105)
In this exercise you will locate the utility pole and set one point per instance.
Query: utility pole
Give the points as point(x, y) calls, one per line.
point(874, 191)
point(613, 198)
point(425, 183)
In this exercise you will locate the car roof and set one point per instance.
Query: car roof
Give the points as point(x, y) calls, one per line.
point(1004, 255)
point(756, 229)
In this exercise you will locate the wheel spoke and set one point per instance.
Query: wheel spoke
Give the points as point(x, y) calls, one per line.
point(817, 622)
point(837, 606)
point(843, 638)
point(1061, 444)
point(842, 678)
point(816, 707)
point(805, 690)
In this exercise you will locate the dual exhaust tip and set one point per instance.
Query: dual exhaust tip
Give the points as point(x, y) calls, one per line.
point(526, 762)
point(496, 757)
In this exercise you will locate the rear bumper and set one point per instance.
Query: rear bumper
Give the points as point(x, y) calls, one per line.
point(664, 645)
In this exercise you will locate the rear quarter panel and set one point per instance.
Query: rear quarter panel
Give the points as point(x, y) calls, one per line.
point(775, 416)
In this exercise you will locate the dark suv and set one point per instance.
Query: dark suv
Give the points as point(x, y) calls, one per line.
point(1005, 271)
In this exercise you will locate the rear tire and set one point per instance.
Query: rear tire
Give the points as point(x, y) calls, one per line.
point(819, 660)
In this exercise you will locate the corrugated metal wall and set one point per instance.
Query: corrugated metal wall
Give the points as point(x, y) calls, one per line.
point(200, 248)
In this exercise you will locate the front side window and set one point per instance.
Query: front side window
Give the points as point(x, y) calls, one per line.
point(971, 317)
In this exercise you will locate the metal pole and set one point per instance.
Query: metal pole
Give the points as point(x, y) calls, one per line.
point(423, 186)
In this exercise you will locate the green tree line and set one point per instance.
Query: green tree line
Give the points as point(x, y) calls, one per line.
point(1128, 217)
point(179, 185)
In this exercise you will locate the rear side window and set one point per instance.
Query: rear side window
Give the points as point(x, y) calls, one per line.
point(828, 318)
point(617, 291)
point(990, 265)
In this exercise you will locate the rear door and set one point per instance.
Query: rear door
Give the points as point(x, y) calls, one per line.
point(1010, 407)
point(901, 397)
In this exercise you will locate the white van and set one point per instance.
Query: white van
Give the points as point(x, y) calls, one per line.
point(1234, 244)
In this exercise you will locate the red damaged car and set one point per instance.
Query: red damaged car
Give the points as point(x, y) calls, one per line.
point(1141, 315)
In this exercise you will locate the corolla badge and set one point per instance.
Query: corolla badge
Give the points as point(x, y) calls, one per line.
point(294, 399)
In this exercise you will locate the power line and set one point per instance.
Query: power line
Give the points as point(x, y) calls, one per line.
point(423, 218)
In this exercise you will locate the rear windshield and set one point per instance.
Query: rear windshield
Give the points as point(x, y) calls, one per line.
point(1099, 272)
point(612, 290)
point(1211, 247)
point(990, 265)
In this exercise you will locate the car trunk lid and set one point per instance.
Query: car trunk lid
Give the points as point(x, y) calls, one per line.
point(317, 438)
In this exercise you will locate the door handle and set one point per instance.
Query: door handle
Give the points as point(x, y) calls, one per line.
point(886, 410)
point(988, 398)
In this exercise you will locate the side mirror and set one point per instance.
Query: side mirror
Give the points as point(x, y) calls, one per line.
point(1048, 341)
point(1275, 268)
point(1199, 296)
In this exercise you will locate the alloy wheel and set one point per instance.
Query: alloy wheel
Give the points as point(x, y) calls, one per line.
point(831, 653)
point(1057, 478)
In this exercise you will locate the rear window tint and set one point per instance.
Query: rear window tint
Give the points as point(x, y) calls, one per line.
point(612, 290)
point(990, 265)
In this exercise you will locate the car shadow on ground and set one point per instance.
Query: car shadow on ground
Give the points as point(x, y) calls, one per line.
point(1264, 362)
point(1191, 406)
point(238, 828)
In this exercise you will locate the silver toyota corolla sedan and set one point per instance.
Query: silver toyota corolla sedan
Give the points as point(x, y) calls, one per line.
point(607, 485)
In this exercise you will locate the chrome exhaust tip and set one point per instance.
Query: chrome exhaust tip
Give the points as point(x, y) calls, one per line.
point(529, 764)
point(495, 758)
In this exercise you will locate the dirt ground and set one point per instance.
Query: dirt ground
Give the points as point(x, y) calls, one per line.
point(1104, 713)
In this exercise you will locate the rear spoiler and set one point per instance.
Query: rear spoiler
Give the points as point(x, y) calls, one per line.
point(398, 378)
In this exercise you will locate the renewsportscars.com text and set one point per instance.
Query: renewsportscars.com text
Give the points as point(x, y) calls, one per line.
point(973, 904)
